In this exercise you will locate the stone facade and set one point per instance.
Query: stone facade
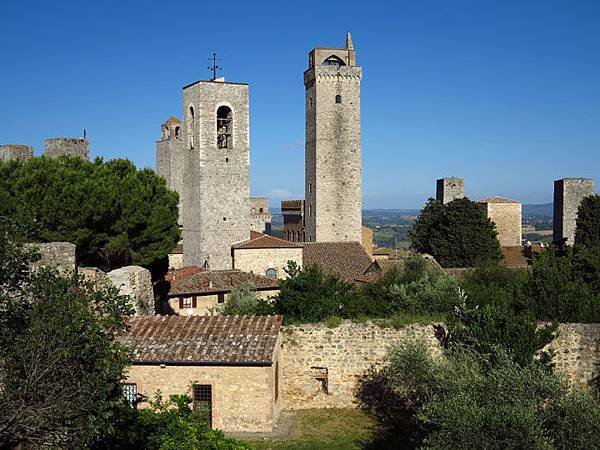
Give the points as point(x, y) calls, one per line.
point(206, 304)
point(333, 186)
point(135, 282)
point(59, 255)
point(170, 157)
point(259, 260)
point(568, 194)
point(216, 178)
point(10, 152)
point(448, 189)
point(367, 240)
point(321, 365)
point(244, 399)
point(67, 147)
point(260, 216)
point(506, 214)
point(293, 220)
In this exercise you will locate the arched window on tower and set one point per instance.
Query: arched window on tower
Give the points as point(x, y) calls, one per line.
point(176, 132)
point(334, 61)
point(191, 126)
point(338, 98)
point(224, 127)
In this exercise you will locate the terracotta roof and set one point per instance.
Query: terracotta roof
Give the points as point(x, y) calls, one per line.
point(515, 257)
point(497, 199)
point(172, 119)
point(348, 260)
point(203, 340)
point(456, 272)
point(259, 240)
point(196, 280)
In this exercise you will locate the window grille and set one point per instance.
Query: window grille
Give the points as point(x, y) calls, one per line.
point(130, 394)
point(203, 402)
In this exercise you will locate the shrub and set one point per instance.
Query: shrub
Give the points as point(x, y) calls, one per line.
point(242, 301)
point(587, 232)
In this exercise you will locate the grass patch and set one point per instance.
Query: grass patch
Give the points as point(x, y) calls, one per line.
point(320, 429)
point(333, 322)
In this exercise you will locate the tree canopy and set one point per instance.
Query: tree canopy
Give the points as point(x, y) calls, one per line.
point(114, 213)
point(587, 232)
point(457, 234)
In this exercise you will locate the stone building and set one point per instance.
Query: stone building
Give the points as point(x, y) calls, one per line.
point(333, 187)
point(216, 198)
point(136, 283)
point(260, 215)
point(228, 365)
point(10, 152)
point(265, 255)
point(194, 291)
point(367, 240)
point(506, 214)
point(568, 194)
point(64, 146)
point(170, 157)
point(448, 189)
point(293, 220)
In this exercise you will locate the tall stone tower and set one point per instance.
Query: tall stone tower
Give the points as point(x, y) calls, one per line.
point(333, 187)
point(448, 189)
point(170, 157)
point(64, 146)
point(216, 198)
point(568, 194)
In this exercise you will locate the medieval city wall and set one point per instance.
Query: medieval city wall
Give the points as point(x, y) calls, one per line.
point(321, 365)
point(58, 255)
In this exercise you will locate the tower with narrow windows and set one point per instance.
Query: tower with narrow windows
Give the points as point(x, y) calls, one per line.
point(170, 158)
point(333, 186)
point(216, 197)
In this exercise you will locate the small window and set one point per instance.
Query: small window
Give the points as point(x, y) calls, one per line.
point(221, 298)
point(321, 375)
point(338, 98)
point(176, 132)
point(130, 394)
point(185, 302)
point(334, 61)
point(271, 273)
point(203, 402)
point(191, 127)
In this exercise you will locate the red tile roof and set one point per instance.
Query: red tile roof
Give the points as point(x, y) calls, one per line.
point(348, 260)
point(259, 240)
point(203, 340)
point(196, 280)
point(497, 199)
point(515, 257)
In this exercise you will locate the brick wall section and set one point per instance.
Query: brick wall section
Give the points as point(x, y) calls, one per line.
point(10, 152)
point(568, 194)
point(350, 349)
point(67, 147)
point(258, 260)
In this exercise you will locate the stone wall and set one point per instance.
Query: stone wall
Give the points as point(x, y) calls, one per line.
point(260, 215)
point(60, 255)
point(321, 365)
point(259, 260)
point(568, 194)
point(135, 282)
point(448, 189)
point(56, 147)
point(10, 152)
point(507, 217)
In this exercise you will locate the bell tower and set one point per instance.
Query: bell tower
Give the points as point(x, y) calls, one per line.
point(333, 185)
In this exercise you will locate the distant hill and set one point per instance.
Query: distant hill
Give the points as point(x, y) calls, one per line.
point(538, 210)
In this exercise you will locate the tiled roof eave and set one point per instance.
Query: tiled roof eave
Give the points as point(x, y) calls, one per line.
point(156, 362)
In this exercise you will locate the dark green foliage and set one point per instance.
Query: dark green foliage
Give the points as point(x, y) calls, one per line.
point(165, 425)
point(242, 301)
point(470, 400)
point(587, 233)
point(61, 366)
point(115, 214)
point(457, 234)
point(309, 295)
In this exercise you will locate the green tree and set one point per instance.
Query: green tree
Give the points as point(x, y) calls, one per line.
point(242, 301)
point(587, 232)
point(61, 366)
point(115, 214)
point(457, 234)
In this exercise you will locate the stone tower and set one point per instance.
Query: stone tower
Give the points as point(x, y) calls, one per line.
point(333, 187)
point(170, 157)
point(216, 198)
point(568, 194)
point(67, 147)
point(448, 189)
point(15, 151)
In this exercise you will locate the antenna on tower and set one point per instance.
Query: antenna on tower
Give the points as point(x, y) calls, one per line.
point(214, 66)
point(84, 133)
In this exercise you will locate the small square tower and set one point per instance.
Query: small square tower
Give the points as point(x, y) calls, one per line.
point(333, 186)
point(10, 152)
point(216, 197)
point(507, 216)
point(448, 189)
point(568, 194)
point(170, 157)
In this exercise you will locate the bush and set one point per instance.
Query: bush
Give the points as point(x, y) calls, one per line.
point(242, 301)
point(587, 232)
point(469, 400)
point(457, 234)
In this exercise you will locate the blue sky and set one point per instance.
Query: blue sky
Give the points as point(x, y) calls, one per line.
point(505, 94)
